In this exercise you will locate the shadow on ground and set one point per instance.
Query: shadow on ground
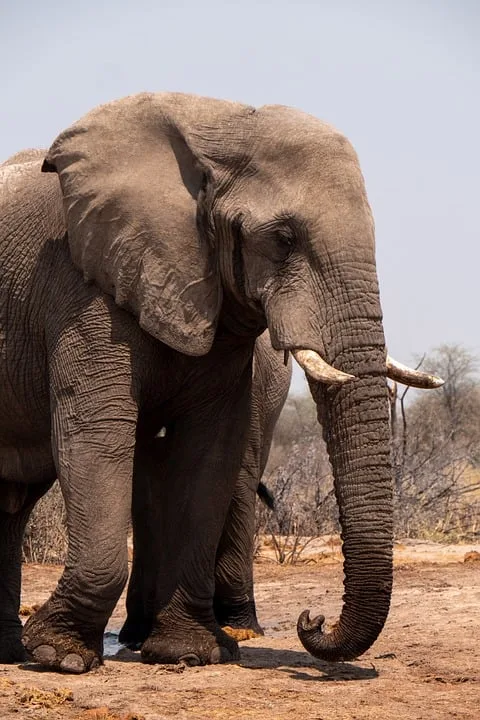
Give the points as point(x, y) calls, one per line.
point(287, 660)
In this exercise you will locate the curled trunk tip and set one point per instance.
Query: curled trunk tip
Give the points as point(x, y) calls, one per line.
point(338, 645)
point(318, 643)
point(325, 646)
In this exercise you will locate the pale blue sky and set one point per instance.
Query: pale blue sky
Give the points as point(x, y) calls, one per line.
point(401, 79)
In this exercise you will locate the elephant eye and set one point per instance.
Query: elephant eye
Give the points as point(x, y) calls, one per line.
point(285, 240)
point(286, 237)
point(275, 240)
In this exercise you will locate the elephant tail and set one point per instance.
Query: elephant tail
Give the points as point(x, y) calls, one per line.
point(266, 495)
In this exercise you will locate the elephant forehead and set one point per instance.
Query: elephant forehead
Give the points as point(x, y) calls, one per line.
point(311, 189)
point(301, 138)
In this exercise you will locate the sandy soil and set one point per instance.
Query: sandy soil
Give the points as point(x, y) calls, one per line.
point(425, 665)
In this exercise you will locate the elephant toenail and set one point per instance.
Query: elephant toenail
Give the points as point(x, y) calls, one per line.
point(190, 659)
point(44, 654)
point(219, 655)
point(95, 663)
point(72, 663)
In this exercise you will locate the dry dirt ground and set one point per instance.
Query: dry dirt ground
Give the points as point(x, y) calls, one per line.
point(424, 666)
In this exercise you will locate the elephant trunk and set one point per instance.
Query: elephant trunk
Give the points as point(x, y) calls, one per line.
point(356, 428)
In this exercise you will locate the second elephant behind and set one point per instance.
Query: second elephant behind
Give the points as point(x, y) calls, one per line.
point(154, 508)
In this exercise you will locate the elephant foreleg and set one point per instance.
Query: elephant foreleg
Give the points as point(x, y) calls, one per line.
point(95, 466)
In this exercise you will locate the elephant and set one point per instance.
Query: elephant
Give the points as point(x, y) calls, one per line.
point(140, 259)
point(234, 602)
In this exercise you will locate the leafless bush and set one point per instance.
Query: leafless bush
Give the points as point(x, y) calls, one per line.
point(45, 538)
point(288, 548)
point(303, 491)
point(437, 452)
point(301, 481)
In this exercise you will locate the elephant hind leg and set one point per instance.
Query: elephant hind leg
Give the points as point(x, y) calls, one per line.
point(139, 621)
point(239, 621)
point(234, 600)
point(153, 495)
point(17, 502)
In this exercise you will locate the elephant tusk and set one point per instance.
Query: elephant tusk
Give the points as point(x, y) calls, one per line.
point(318, 369)
point(403, 374)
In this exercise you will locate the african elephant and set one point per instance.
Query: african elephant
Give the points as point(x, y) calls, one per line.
point(196, 224)
point(154, 500)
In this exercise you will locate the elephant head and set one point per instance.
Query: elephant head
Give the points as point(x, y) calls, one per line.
point(197, 214)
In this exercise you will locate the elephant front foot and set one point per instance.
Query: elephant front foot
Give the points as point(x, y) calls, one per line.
point(190, 642)
point(55, 644)
point(238, 619)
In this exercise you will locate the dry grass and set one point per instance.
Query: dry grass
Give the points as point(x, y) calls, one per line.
point(36, 703)
point(103, 713)
point(27, 610)
point(240, 634)
point(472, 556)
point(30, 696)
point(5, 685)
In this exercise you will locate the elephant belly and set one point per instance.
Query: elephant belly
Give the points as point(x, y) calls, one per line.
point(26, 463)
point(25, 446)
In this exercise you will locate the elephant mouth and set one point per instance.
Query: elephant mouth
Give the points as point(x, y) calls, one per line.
point(318, 369)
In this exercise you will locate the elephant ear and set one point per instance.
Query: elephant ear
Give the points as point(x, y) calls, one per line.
point(132, 182)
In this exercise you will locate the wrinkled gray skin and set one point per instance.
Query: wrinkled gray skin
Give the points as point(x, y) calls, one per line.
point(196, 223)
point(154, 500)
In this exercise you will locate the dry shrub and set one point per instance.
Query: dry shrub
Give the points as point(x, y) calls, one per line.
point(437, 452)
point(45, 538)
point(301, 483)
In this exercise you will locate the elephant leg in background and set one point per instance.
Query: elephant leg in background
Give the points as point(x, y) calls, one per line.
point(153, 496)
point(234, 600)
point(22, 499)
point(234, 595)
point(202, 468)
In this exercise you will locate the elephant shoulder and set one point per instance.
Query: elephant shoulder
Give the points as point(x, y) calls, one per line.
point(24, 156)
point(30, 198)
